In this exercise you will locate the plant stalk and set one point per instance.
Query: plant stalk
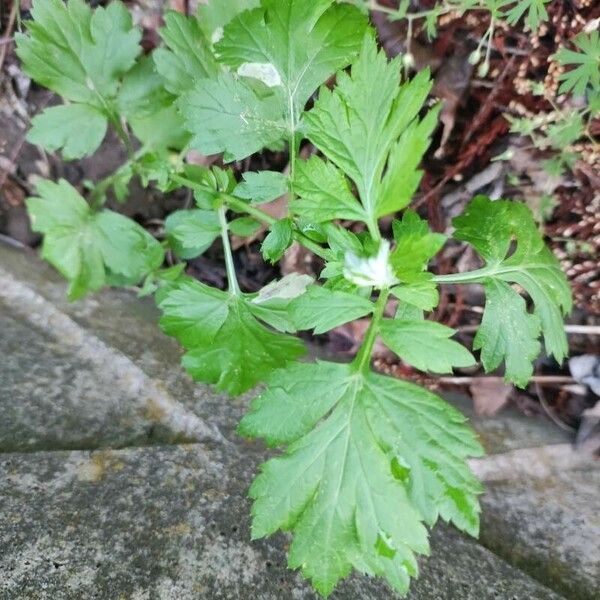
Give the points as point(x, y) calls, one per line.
point(241, 206)
point(100, 189)
point(362, 360)
point(234, 287)
point(123, 135)
point(471, 276)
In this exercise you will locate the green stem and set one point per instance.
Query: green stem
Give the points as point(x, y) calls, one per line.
point(362, 360)
point(98, 194)
point(373, 228)
point(241, 206)
point(471, 276)
point(292, 151)
point(121, 131)
point(234, 288)
point(376, 7)
point(321, 252)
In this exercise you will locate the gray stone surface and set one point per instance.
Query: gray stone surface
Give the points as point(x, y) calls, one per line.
point(64, 387)
point(119, 321)
point(52, 398)
point(172, 523)
point(549, 527)
point(166, 522)
point(510, 429)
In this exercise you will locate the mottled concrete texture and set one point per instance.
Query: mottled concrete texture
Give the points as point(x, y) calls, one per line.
point(510, 429)
point(53, 398)
point(172, 523)
point(121, 479)
point(550, 527)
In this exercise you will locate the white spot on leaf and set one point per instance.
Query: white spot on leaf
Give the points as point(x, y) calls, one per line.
point(217, 35)
point(264, 72)
point(288, 288)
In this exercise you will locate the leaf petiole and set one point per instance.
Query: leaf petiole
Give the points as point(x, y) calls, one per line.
point(469, 277)
point(240, 205)
point(123, 134)
point(234, 287)
point(362, 360)
point(476, 276)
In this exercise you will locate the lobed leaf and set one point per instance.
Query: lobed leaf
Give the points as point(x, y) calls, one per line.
point(245, 226)
point(77, 129)
point(369, 459)
point(421, 293)
point(416, 245)
point(78, 53)
point(493, 227)
point(227, 115)
point(324, 193)
point(586, 63)
point(90, 249)
point(534, 12)
point(192, 232)
point(187, 56)
point(215, 14)
point(403, 177)
point(322, 309)
point(425, 345)
point(149, 108)
point(358, 124)
point(508, 333)
point(226, 345)
point(300, 42)
point(278, 240)
point(281, 51)
point(262, 186)
point(82, 55)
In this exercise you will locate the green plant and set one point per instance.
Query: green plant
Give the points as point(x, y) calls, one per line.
point(582, 78)
point(559, 130)
point(367, 461)
point(556, 130)
point(532, 12)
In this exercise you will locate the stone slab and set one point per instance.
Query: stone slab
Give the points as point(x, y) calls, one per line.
point(60, 387)
point(120, 322)
point(172, 523)
point(52, 398)
point(510, 429)
point(113, 338)
point(549, 526)
point(63, 387)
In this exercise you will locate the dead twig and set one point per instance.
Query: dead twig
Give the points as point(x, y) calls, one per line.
point(572, 329)
point(584, 329)
point(539, 379)
point(12, 17)
point(18, 146)
point(548, 409)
